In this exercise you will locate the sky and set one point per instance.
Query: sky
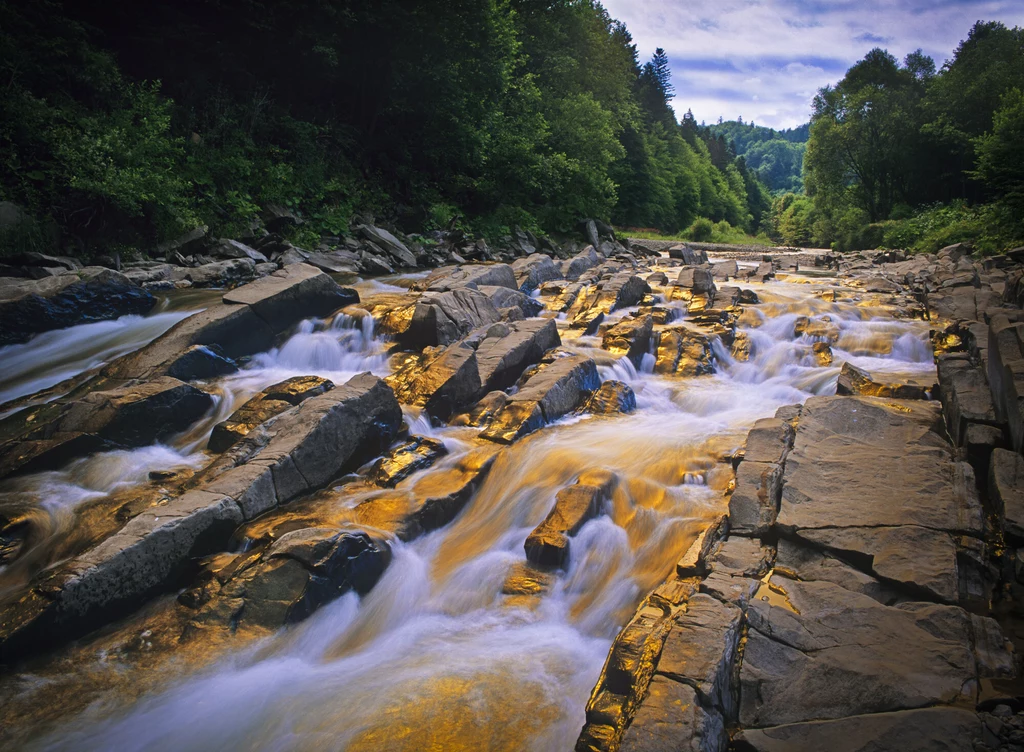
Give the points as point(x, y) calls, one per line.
point(763, 60)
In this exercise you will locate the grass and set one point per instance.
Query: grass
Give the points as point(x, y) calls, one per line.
point(721, 232)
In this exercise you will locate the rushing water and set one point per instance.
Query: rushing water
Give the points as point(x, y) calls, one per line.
point(436, 656)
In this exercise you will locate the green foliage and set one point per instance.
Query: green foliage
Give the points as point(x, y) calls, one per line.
point(1000, 163)
point(701, 230)
point(776, 156)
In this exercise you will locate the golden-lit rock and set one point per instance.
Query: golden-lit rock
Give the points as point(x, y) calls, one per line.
point(272, 401)
point(822, 354)
point(854, 381)
point(741, 347)
point(548, 544)
point(822, 329)
point(524, 579)
point(405, 459)
point(629, 337)
point(613, 397)
point(684, 352)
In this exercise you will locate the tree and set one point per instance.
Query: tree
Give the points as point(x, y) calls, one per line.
point(1001, 154)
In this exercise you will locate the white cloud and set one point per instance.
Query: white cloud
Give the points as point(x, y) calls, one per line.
point(724, 53)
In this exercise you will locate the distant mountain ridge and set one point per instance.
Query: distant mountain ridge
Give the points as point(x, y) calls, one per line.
point(776, 156)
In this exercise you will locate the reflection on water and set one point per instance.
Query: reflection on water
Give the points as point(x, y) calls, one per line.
point(437, 656)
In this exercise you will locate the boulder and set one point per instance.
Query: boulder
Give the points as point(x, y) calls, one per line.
point(390, 244)
point(445, 317)
point(1006, 489)
point(122, 418)
point(612, 398)
point(532, 271)
point(187, 244)
point(688, 255)
point(278, 218)
point(289, 295)
point(725, 270)
point(400, 462)
point(548, 544)
point(335, 262)
point(854, 381)
point(232, 249)
point(630, 338)
point(442, 381)
point(504, 298)
point(583, 261)
point(684, 351)
point(550, 392)
point(29, 307)
point(673, 719)
point(272, 401)
point(474, 276)
point(219, 273)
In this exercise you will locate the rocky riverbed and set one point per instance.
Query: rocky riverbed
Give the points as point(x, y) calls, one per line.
point(603, 495)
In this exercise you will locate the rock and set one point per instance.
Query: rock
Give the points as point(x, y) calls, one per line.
point(29, 307)
point(122, 418)
point(201, 362)
point(621, 290)
point(441, 381)
point(503, 355)
point(1006, 489)
point(725, 270)
point(672, 719)
point(583, 261)
point(290, 295)
point(405, 459)
point(191, 242)
point(548, 544)
point(445, 317)
point(300, 451)
point(940, 729)
point(590, 230)
point(696, 278)
point(694, 561)
point(834, 653)
point(372, 264)
point(504, 298)
point(822, 354)
point(390, 244)
point(953, 253)
point(684, 351)
point(630, 338)
point(335, 262)
point(556, 389)
point(688, 255)
point(278, 218)
point(532, 271)
point(1006, 373)
point(272, 401)
point(612, 398)
point(219, 273)
point(700, 650)
point(304, 570)
point(853, 380)
point(474, 276)
point(966, 397)
point(292, 256)
point(840, 436)
point(232, 249)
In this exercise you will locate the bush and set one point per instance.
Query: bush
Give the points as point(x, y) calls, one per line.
point(701, 230)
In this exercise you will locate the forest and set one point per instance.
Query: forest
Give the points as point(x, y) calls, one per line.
point(904, 155)
point(126, 123)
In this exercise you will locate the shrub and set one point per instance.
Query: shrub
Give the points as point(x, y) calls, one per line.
point(701, 230)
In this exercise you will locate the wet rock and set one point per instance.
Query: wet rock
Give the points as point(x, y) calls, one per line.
point(304, 570)
point(524, 579)
point(753, 504)
point(834, 653)
point(688, 255)
point(947, 729)
point(441, 381)
point(532, 271)
point(822, 354)
point(120, 418)
point(621, 290)
point(445, 317)
point(29, 307)
point(725, 270)
point(390, 244)
point(840, 436)
point(697, 279)
point(685, 352)
point(854, 381)
point(262, 407)
point(582, 262)
point(335, 262)
point(201, 362)
point(503, 298)
point(232, 249)
point(473, 276)
point(405, 459)
point(1006, 489)
point(219, 273)
point(554, 390)
point(673, 719)
point(483, 412)
point(548, 544)
point(301, 451)
point(630, 338)
point(613, 397)
point(1006, 374)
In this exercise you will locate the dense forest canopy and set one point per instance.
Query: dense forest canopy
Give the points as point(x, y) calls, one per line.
point(776, 156)
point(124, 123)
point(902, 154)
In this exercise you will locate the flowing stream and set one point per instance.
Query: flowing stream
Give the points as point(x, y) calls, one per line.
point(436, 656)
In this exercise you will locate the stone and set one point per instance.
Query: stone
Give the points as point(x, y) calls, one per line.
point(1006, 489)
point(554, 390)
point(291, 294)
point(838, 437)
point(808, 563)
point(405, 459)
point(753, 504)
point(121, 418)
point(629, 338)
point(201, 362)
point(966, 397)
point(696, 278)
point(503, 297)
point(548, 544)
point(30, 307)
point(232, 249)
point(503, 356)
point(442, 381)
point(278, 218)
point(473, 276)
point(725, 270)
point(611, 398)
point(688, 255)
point(445, 317)
point(534, 270)
point(582, 262)
point(389, 243)
point(193, 241)
point(829, 653)
point(218, 273)
point(1006, 374)
point(940, 729)
point(672, 719)
point(684, 351)
point(260, 408)
point(853, 380)
point(335, 262)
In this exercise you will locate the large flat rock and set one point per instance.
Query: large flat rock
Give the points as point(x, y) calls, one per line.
point(846, 455)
